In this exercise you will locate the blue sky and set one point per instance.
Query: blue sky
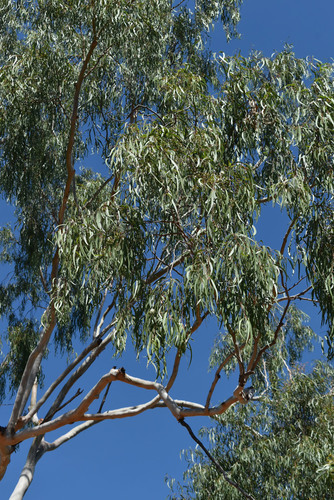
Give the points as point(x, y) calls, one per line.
point(129, 458)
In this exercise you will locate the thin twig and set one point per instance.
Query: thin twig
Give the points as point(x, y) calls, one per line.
point(178, 5)
point(149, 109)
point(298, 296)
point(104, 397)
point(273, 342)
point(255, 351)
point(78, 393)
point(285, 239)
point(163, 271)
point(237, 354)
point(217, 465)
point(100, 311)
point(196, 325)
point(43, 281)
point(104, 53)
point(288, 369)
point(98, 191)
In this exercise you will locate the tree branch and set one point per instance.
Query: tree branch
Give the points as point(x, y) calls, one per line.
point(285, 239)
point(196, 325)
point(216, 464)
point(165, 270)
point(217, 375)
point(237, 353)
point(29, 374)
point(55, 384)
point(78, 429)
point(79, 413)
point(33, 401)
point(74, 118)
point(255, 351)
point(268, 346)
point(78, 373)
point(298, 296)
point(70, 435)
point(36, 356)
point(78, 393)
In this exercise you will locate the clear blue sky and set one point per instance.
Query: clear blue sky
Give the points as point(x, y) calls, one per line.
point(129, 458)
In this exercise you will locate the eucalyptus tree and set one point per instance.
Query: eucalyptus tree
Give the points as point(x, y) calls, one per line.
point(279, 447)
point(195, 149)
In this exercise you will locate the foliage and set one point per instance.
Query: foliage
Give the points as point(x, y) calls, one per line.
point(139, 166)
point(40, 73)
point(22, 339)
point(277, 447)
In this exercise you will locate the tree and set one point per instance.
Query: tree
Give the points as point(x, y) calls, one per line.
point(196, 148)
point(278, 447)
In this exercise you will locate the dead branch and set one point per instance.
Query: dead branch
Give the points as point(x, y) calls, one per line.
point(78, 393)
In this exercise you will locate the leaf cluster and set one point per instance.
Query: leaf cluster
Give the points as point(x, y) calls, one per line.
point(274, 448)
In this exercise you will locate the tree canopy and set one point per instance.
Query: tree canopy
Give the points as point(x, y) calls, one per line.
point(279, 447)
point(193, 149)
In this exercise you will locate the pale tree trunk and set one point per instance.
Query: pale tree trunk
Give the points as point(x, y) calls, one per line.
point(36, 451)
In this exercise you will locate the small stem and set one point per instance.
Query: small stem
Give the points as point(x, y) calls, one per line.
point(104, 397)
point(217, 465)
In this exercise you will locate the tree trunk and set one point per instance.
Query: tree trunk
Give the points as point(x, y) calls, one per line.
point(36, 451)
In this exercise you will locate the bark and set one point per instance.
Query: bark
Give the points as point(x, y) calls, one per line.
point(5, 452)
point(36, 452)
